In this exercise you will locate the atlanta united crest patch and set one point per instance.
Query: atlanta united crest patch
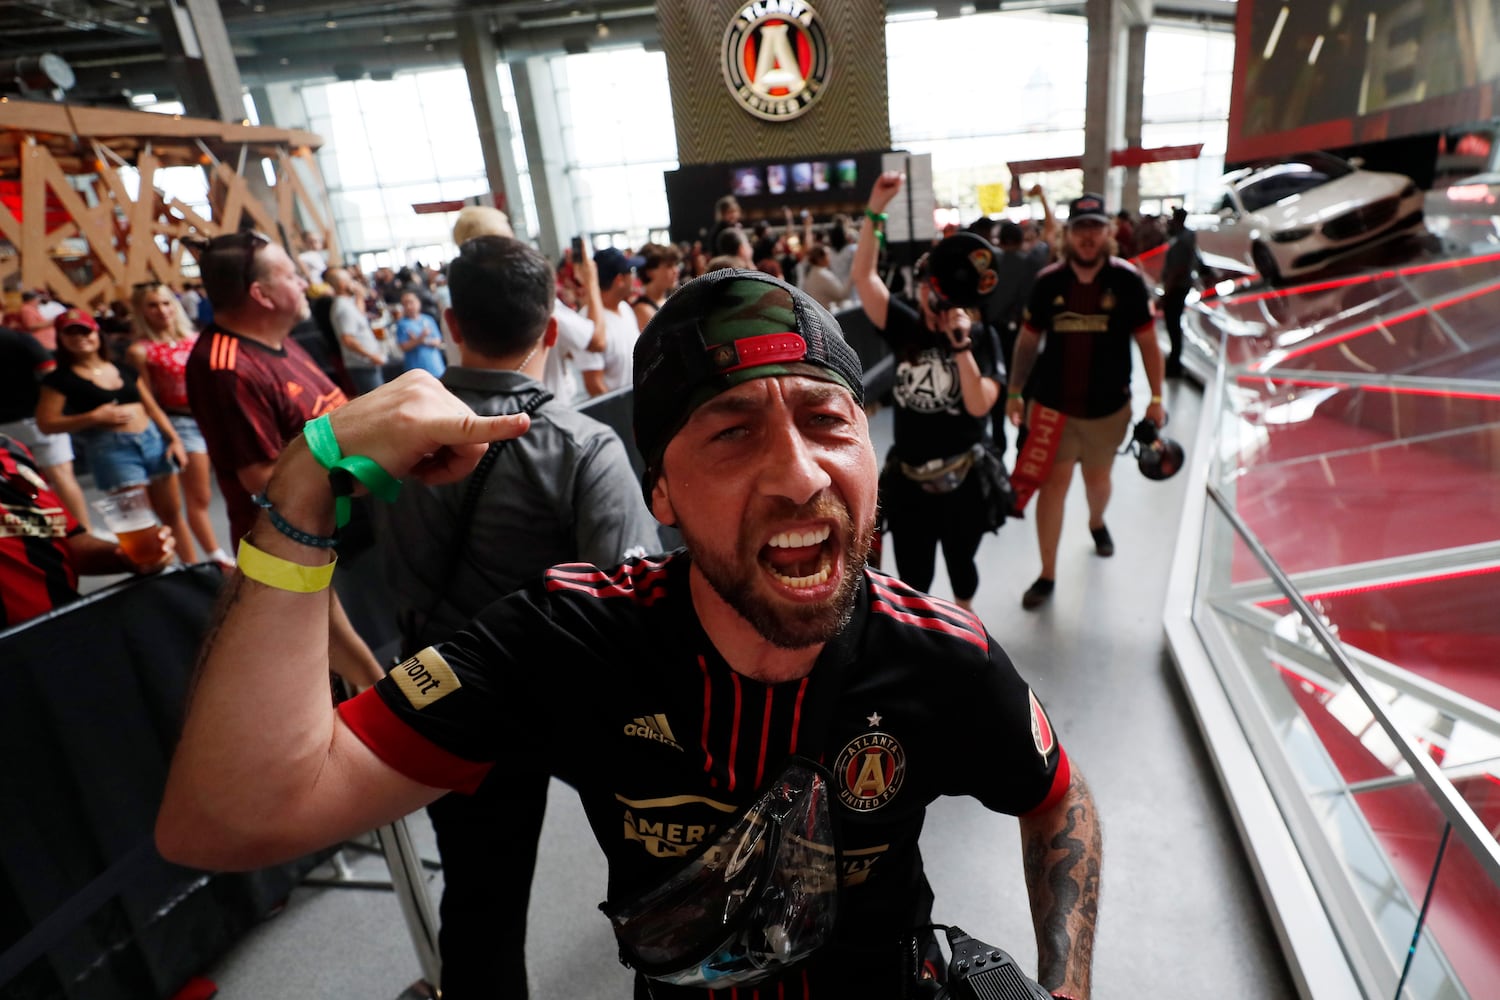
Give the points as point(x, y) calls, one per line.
point(775, 58)
point(869, 771)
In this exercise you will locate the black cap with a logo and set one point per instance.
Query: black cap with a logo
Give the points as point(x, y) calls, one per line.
point(1087, 208)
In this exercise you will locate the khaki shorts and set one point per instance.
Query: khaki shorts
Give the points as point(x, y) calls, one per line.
point(1094, 443)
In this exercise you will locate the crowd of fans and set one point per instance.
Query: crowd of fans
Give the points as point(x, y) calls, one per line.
point(172, 388)
point(113, 383)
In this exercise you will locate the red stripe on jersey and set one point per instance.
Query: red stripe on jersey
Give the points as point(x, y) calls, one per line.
point(645, 599)
point(765, 735)
point(734, 731)
point(806, 988)
point(931, 624)
point(797, 713)
point(234, 354)
point(1062, 780)
point(640, 581)
point(917, 601)
point(708, 703)
point(400, 746)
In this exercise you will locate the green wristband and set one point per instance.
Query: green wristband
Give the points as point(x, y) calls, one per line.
point(321, 442)
point(1015, 395)
point(343, 470)
point(318, 433)
point(368, 471)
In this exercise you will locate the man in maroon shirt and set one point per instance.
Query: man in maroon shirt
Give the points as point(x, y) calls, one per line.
point(252, 387)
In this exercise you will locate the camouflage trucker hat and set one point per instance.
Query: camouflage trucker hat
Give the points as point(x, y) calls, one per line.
point(721, 330)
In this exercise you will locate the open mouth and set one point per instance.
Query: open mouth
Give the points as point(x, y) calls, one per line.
point(800, 560)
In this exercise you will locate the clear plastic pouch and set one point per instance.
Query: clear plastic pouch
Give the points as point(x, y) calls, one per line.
point(761, 898)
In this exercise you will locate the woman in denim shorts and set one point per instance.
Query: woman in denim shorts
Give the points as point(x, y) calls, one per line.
point(124, 435)
point(163, 339)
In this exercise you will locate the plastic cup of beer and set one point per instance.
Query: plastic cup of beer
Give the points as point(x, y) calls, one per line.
point(128, 515)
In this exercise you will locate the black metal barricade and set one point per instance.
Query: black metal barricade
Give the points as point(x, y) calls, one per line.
point(91, 699)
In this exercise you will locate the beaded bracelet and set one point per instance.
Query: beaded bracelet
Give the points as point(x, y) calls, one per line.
point(283, 574)
point(295, 534)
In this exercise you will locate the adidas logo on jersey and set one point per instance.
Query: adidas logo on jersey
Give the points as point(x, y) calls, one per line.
point(653, 727)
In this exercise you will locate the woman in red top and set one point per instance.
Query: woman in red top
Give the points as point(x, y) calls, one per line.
point(163, 338)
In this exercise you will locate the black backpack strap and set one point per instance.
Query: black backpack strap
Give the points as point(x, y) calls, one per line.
point(472, 492)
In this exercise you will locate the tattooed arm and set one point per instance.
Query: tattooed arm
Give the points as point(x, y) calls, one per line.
point(1062, 849)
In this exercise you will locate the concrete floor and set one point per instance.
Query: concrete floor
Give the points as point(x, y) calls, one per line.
point(1181, 916)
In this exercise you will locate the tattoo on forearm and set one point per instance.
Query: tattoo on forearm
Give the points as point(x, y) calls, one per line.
point(1063, 871)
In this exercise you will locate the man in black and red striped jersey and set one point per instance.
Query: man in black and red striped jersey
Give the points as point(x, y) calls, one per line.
point(251, 387)
point(43, 550)
point(675, 693)
point(1090, 306)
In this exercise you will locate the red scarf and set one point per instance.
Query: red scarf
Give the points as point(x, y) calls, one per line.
point(1044, 428)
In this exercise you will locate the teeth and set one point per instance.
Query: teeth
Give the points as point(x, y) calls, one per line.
point(802, 582)
point(796, 540)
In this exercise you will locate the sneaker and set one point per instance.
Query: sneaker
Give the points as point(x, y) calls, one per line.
point(1036, 595)
point(1103, 544)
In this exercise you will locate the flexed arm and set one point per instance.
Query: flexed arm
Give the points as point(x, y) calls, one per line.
point(265, 770)
point(1062, 849)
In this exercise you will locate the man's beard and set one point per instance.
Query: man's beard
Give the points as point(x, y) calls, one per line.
point(785, 624)
point(1077, 257)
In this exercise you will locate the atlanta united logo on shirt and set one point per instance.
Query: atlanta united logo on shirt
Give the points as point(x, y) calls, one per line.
point(929, 384)
point(775, 58)
point(869, 771)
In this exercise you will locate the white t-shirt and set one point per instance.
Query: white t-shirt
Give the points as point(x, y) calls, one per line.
point(349, 320)
point(617, 361)
point(573, 335)
point(315, 262)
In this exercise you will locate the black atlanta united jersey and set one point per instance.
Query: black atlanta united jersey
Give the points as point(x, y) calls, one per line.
point(608, 681)
point(1084, 367)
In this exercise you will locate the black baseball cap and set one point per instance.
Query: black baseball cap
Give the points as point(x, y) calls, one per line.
point(1087, 208)
point(961, 269)
point(722, 330)
point(612, 263)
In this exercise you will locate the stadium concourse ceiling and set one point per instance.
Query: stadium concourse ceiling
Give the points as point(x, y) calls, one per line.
point(114, 47)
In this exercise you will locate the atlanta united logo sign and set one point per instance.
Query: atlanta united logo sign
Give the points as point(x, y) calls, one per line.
point(869, 771)
point(776, 58)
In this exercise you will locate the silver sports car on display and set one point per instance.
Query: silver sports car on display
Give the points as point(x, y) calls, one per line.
point(1293, 217)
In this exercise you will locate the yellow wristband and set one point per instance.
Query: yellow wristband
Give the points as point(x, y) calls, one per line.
point(283, 574)
point(1156, 399)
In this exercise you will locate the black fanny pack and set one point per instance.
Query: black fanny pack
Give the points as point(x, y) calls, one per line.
point(758, 900)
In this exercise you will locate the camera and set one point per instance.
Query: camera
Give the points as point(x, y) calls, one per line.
point(980, 971)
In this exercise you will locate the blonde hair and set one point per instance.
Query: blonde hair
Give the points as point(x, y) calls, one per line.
point(178, 329)
point(481, 220)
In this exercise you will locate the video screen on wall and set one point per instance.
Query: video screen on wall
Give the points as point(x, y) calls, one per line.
point(746, 182)
point(800, 177)
point(1311, 76)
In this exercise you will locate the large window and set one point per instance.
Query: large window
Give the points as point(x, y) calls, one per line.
point(977, 92)
point(616, 113)
point(392, 144)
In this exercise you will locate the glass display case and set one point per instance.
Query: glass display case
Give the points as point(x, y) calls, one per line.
point(1334, 614)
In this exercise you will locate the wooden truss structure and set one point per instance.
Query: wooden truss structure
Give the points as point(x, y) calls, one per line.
point(79, 229)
